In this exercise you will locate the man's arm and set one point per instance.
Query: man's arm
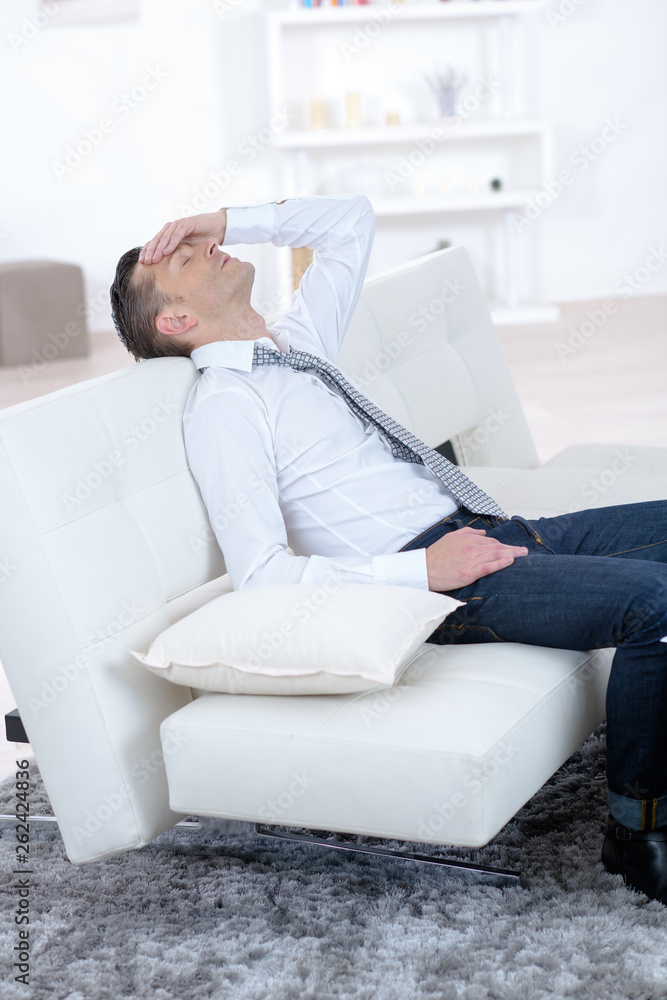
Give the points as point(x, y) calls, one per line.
point(194, 229)
point(338, 228)
point(238, 484)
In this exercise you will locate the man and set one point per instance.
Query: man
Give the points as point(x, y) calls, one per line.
point(282, 461)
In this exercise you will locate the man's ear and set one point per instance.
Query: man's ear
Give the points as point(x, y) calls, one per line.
point(170, 324)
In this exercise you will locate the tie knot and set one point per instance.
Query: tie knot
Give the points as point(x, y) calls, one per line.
point(262, 355)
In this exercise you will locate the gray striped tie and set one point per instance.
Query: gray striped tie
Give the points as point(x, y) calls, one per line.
point(403, 443)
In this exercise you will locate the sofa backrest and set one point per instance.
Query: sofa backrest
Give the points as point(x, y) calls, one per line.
point(423, 346)
point(104, 540)
point(101, 524)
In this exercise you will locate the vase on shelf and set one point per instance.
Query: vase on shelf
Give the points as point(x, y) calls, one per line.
point(446, 83)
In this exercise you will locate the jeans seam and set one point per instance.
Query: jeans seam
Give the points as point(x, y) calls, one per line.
point(478, 628)
point(637, 548)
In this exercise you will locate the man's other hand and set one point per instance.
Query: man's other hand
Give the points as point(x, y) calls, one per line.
point(191, 230)
point(462, 556)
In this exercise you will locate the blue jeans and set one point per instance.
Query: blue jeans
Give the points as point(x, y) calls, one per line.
point(591, 579)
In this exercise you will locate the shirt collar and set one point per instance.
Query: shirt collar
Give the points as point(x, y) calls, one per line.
point(237, 353)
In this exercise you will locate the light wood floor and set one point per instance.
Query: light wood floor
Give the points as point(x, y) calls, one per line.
point(579, 381)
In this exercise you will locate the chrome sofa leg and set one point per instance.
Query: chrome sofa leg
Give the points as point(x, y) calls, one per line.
point(29, 819)
point(422, 859)
point(190, 822)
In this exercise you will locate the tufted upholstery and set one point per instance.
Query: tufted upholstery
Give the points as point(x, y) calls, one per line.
point(104, 541)
point(433, 361)
point(93, 479)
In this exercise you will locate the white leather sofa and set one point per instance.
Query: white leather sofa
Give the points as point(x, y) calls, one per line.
point(104, 541)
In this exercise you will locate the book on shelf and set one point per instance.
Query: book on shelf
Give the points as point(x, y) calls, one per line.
point(332, 3)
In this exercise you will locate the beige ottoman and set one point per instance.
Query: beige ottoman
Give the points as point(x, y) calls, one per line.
point(42, 313)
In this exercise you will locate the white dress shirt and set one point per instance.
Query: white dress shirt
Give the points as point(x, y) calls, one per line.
point(280, 459)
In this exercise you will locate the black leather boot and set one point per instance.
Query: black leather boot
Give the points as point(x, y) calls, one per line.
point(640, 856)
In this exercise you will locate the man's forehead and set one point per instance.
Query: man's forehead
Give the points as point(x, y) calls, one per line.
point(164, 262)
point(143, 274)
point(142, 270)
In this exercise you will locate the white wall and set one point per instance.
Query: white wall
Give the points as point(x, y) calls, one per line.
point(64, 81)
point(604, 60)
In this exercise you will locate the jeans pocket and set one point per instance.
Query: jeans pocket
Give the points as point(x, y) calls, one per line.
point(534, 534)
point(469, 623)
point(446, 635)
point(434, 533)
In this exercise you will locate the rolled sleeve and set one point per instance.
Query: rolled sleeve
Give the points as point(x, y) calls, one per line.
point(250, 224)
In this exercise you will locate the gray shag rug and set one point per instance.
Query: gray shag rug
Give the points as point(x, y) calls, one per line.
point(221, 912)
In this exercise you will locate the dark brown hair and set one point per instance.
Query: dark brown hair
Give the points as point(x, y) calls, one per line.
point(135, 305)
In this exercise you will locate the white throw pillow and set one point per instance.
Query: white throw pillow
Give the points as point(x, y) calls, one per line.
point(299, 638)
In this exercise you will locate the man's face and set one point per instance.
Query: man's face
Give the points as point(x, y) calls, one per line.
point(202, 281)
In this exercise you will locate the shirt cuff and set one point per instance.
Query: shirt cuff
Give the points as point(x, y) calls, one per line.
point(250, 224)
point(407, 569)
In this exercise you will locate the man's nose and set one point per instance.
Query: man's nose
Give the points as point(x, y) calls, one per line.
point(210, 248)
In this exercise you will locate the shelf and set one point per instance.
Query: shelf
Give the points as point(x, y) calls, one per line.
point(408, 10)
point(386, 135)
point(299, 151)
point(474, 202)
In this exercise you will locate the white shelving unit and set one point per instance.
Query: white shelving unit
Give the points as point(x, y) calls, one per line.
point(390, 135)
point(297, 34)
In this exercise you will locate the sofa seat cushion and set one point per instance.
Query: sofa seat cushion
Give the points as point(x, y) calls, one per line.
point(578, 478)
point(448, 755)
